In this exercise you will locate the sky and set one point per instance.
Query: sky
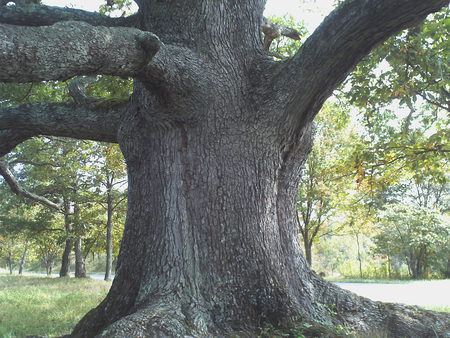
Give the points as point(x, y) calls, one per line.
point(311, 11)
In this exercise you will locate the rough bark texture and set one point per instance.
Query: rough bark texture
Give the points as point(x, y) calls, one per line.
point(38, 15)
point(94, 121)
point(214, 137)
point(46, 53)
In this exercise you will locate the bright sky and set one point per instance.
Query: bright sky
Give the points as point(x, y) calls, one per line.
point(311, 11)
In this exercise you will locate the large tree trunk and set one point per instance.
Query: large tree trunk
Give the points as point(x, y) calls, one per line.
point(210, 244)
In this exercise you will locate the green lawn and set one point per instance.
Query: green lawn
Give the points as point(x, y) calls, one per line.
point(46, 306)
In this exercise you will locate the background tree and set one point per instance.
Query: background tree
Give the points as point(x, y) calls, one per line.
point(322, 186)
point(112, 177)
point(214, 137)
point(416, 235)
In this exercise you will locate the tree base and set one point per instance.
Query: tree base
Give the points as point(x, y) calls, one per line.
point(343, 314)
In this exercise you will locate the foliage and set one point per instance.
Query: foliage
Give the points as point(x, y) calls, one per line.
point(403, 92)
point(12, 94)
point(400, 152)
point(114, 7)
point(322, 185)
point(414, 235)
point(73, 172)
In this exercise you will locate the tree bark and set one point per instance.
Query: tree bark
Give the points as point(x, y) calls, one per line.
point(214, 137)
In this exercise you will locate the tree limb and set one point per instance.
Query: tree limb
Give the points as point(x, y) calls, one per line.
point(34, 163)
point(338, 44)
point(17, 189)
point(70, 48)
point(98, 122)
point(40, 15)
point(77, 90)
point(272, 31)
point(9, 139)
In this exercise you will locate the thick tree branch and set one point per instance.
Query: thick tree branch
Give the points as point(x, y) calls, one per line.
point(339, 43)
point(40, 15)
point(17, 189)
point(70, 48)
point(9, 139)
point(77, 90)
point(98, 121)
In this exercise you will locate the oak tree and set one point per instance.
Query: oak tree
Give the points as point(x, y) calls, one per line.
point(214, 136)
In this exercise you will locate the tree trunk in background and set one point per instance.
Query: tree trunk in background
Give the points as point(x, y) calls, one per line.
point(65, 260)
point(23, 259)
point(359, 256)
point(109, 230)
point(80, 267)
point(49, 261)
point(9, 259)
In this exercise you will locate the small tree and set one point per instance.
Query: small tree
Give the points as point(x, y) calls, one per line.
point(416, 235)
point(321, 185)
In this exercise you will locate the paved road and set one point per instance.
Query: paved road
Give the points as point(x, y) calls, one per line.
point(422, 293)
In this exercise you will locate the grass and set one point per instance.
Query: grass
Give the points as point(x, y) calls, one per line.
point(45, 306)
